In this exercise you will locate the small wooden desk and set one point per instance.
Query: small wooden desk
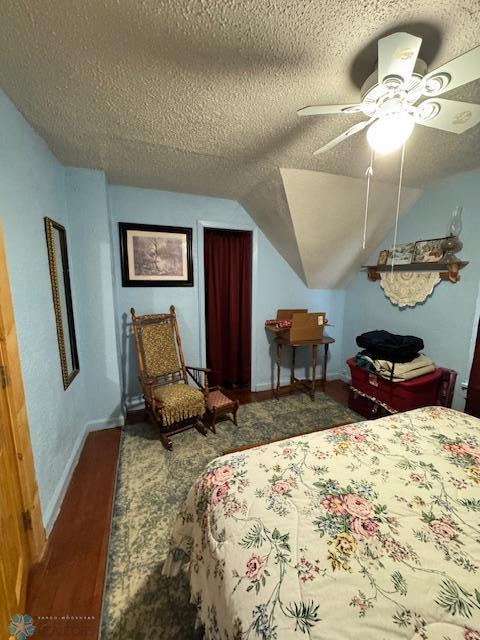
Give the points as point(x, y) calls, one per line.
point(282, 342)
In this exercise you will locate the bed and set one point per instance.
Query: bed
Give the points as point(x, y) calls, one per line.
point(370, 530)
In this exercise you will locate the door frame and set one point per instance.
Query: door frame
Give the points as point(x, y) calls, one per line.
point(19, 428)
point(228, 226)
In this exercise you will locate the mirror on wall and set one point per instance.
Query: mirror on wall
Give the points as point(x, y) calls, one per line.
point(62, 299)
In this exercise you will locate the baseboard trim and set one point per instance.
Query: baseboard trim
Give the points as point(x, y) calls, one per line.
point(50, 513)
point(285, 381)
point(106, 423)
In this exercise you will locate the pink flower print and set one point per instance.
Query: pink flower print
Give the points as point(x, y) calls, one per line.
point(357, 506)
point(208, 480)
point(350, 429)
point(345, 430)
point(288, 452)
point(223, 474)
point(462, 449)
point(219, 492)
point(364, 527)
point(334, 505)
point(281, 487)
point(255, 567)
point(472, 450)
point(471, 634)
point(443, 529)
point(356, 437)
point(416, 477)
point(407, 437)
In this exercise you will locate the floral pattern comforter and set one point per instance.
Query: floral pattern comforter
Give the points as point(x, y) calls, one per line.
point(365, 531)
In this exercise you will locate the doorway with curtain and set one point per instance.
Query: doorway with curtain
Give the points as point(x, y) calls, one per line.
point(228, 306)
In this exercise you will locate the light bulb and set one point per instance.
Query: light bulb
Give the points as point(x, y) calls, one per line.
point(389, 132)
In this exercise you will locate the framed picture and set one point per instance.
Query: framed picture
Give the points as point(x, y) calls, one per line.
point(428, 250)
point(155, 256)
point(403, 253)
point(382, 257)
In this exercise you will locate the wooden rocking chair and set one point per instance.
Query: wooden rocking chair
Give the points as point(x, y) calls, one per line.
point(170, 400)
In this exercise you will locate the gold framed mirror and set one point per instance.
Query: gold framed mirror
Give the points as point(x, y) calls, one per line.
point(62, 300)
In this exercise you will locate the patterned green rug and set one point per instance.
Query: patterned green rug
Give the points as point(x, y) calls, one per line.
point(139, 603)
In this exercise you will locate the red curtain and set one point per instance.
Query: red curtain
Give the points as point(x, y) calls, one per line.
point(472, 405)
point(228, 305)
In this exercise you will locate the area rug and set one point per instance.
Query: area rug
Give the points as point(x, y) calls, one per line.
point(139, 603)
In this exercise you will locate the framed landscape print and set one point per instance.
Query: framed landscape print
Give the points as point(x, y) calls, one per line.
point(156, 256)
point(428, 250)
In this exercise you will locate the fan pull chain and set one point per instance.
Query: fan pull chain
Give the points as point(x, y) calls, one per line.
point(402, 160)
point(369, 174)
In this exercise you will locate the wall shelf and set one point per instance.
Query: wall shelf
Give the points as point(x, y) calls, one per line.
point(448, 271)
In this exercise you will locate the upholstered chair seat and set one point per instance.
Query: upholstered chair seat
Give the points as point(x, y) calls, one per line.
point(179, 402)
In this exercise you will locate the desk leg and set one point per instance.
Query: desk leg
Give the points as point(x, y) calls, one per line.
point(279, 366)
point(325, 359)
point(292, 370)
point(314, 370)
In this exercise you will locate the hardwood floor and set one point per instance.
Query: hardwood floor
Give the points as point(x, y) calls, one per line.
point(65, 589)
point(336, 389)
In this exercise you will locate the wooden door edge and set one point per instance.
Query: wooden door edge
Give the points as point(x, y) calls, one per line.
point(33, 520)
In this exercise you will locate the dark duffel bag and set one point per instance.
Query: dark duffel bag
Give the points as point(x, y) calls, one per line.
point(383, 345)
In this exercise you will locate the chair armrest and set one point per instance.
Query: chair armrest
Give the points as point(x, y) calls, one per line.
point(195, 374)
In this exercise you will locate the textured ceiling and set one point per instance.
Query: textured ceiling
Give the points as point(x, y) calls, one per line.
point(200, 95)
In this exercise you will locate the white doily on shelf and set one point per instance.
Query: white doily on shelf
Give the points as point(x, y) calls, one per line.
point(406, 289)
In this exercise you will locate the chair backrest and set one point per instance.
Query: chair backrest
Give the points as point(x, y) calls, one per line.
point(159, 347)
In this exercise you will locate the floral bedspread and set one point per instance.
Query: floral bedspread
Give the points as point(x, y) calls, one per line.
point(366, 531)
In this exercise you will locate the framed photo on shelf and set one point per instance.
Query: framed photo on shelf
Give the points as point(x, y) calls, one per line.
point(155, 256)
point(403, 253)
point(428, 250)
point(382, 257)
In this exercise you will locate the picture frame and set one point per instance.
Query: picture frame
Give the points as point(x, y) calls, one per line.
point(403, 253)
point(382, 257)
point(155, 255)
point(56, 237)
point(428, 250)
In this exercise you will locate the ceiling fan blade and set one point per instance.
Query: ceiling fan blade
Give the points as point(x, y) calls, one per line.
point(397, 55)
point(346, 134)
point(455, 73)
point(329, 108)
point(449, 115)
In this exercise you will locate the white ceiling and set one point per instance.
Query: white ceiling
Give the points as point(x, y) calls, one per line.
point(327, 213)
point(200, 95)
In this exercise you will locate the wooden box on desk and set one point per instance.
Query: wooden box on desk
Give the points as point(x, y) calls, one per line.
point(305, 326)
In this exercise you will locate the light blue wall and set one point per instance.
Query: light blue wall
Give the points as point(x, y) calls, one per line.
point(278, 285)
point(445, 320)
point(91, 254)
point(32, 185)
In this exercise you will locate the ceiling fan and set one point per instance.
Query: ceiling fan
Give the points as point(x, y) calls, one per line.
point(400, 94)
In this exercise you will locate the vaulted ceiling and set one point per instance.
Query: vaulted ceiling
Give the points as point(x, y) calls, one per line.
point(200, 96)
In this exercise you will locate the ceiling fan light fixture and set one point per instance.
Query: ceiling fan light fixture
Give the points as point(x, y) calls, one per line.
point(390, 132)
